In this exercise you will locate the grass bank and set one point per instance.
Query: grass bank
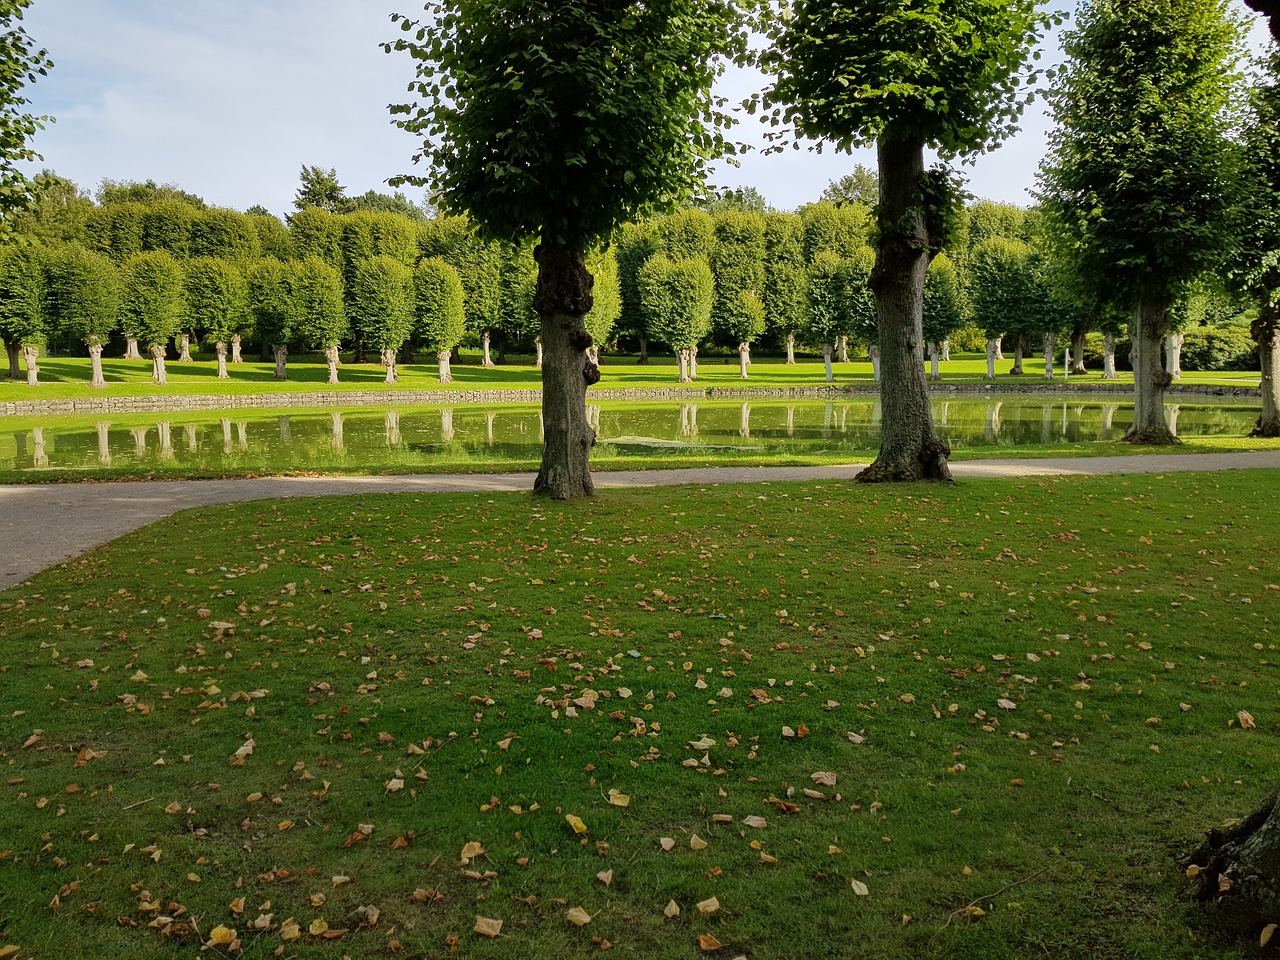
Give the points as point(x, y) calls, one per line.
point(815, 719)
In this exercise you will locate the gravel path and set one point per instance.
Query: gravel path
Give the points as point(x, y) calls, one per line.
point(42, 525)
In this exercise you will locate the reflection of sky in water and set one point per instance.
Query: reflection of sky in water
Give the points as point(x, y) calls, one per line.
point(420, 435)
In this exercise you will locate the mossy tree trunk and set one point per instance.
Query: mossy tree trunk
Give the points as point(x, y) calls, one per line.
point(1238, 867)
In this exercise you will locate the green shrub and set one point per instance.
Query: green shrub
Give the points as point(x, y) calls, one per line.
point(1219, 348)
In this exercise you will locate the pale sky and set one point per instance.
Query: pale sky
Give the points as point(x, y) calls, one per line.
point(229, 98)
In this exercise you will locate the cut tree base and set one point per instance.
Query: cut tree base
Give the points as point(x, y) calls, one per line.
point(929, 464)
point(1237, 868)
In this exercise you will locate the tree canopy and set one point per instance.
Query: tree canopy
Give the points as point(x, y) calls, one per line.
point(23, 63)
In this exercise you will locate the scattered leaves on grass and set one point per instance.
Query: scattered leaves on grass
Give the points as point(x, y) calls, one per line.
point(487, 927)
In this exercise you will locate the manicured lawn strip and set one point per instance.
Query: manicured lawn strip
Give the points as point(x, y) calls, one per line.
point(68, 377)
point(1123, 622)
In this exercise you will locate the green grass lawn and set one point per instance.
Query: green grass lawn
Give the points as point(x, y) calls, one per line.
point(68, 377)
point(981, 721)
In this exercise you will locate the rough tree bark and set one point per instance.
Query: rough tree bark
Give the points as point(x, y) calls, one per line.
point(993, 347)
point(31, 354)
point(1266, 333)
point(909, 446)
point(220, 349)
point(873, 354)
point(1078, 335)
point(487, 360)
point(537, 347)
point(184, 348)
point(14, 349)
point(131, 351)
point(1238, 867)
point(446, 371)
point(791, 348)
point(331, 358)
point(1109, 357)
point(158, 373)
point(562, 299)
point(842, 349)
point(1050, 348)
point(235, 348)
point(281, 351)
point(1147, 328)
point(826, 361)
point(95, 360)
point(389, 361)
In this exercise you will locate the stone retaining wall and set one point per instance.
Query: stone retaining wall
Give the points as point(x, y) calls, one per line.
point(107, 404)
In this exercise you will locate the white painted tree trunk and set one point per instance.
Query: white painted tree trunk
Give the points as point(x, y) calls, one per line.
point(1171, 417)
point(158, 372)
point(1050, 348)
point(486, 361)
point(131, 351)
point(1109, 356)
point(1173, 354)
point(443, 358)
point(281, 351)
point(30, 354)
point(331, 358)
point(389, 361)
point(682, 361)
point(744, 358)
point(791, 348)
point(220, 349)
point(993, 352)
point(693, 362)
point(1000, 348)
point(826, 362)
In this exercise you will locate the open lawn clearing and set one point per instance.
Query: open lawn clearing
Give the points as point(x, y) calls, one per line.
point(1052, 687)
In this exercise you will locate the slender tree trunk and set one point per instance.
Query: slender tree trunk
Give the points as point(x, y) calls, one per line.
point(95, 361)
point(446, 370)
point(842, 348)
point(1050, 348)
point(158, 372)
point(1078, 335)
point(826, 362)
point(537, 346)
point(562, 300)
point(1147, 329)
point(1173, 353)
point(1016, 369)
point(909, 446)
point(338, 440)
point(235, 348)
point(993, 348)
point(933, 361)
point(487, 360)
point(331, 358)
point(1266, 333)
point(682, 362)
point(31, 355)
point(946, 350)
point(1000, 347)
point(184, 348)
point(1238, 867)
point(744, 358)
point(14, 349)
point(281, 351)
point(791, 348)
point(644, 350)
point(131, 351)
point(693, 362)
point(389, 360)
point(220, 349)
point(593, 353)
point(873, 354)
point(744, 421)
point(1109, 357)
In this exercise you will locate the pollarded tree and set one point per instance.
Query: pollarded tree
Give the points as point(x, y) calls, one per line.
point(676, 297)
point(838, 228)
point(225, 234)
point(636, 243)
point(560, 122)
point(315, 290)
point(314, 232)
point(271, 307)
point(479, 264)
point(384, 300)
point(441, 319)
point(945, 309)
point(607, 300)
point(23, 64)
point(904, 75)
point(365, 235)
point(1002, 289)
point(166, 225)
point(785, 278)
point(826, 315)
point(217, 299)
point(1140, 188)
point(273, 237)
point(24, 317)
point(738, 266)
point(84, 299)
point(151, 303)
point(687, 234)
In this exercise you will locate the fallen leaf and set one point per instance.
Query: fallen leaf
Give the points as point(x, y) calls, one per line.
point(220, 936)
point(619, 799)
point(576, 823)
point(707, 943)
point(667, 844)
point(1267, 932)
point(671, 910)
point(1246, 720)
point(697, 843)
point(753, 821)
point(859, 888)
point(578, 917)
point(709, 907)
point(605, 877)
point(472, 850)
point(487, 927)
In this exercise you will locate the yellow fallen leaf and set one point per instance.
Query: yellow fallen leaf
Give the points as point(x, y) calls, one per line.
point(290, 931)
point(765, 858)
point(619, 799)
point(173, 808)
point(576, 823)
point(237, 905)
point(472, 850)
point(8, 951)
point(318, 926)
point(859, 888)
point(671, 910)
point(221, 936)
point(708, 943)
point(823, 778)
point(974, 913)
point(1246, 720)
point(339, 880)
point(709, 907)
point(578, 917)
point(697, 843)
point(487, 927)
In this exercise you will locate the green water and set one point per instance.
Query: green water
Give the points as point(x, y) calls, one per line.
point(426, 437)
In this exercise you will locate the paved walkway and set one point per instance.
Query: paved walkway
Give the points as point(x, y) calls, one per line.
point(42, 525)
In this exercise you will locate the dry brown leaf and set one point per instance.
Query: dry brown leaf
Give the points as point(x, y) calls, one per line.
point(859, 888)
point(697, 843)
point(1246, 720)
point(823, 778)
point(472, 850)
point(671, 910)
point(290, 931)
point(578, 917)
point(220, 936)
point(753, 821)
point(487, 927)
point(667, 844)
point(605, 877)
point(707, 943)
point(709, 907)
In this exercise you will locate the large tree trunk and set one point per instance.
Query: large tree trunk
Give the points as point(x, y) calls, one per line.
point(158, 372)
point(1266, 333)
point(644, 350)
point(389, 361)
point(1109, 357)
point(791, 348)
point(281, 351)
point(131, 351)
point(220, 349)
point(1238, 867)
point(1147, 329)
point(993, 347)
point(1016, 369)
point(1173, 353)
point(562, 300)
point(744, 358)
point(95, 361)
point(1078, 335)
point(331, 358)
point(184, 348)
point(842, 349)
point(486, 360)
point(446, 371)
point(14, 349)
point(31, 354)
point(909, 446)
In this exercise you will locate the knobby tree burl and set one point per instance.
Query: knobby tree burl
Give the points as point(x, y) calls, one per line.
point(904, 75)
point(558, 122)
